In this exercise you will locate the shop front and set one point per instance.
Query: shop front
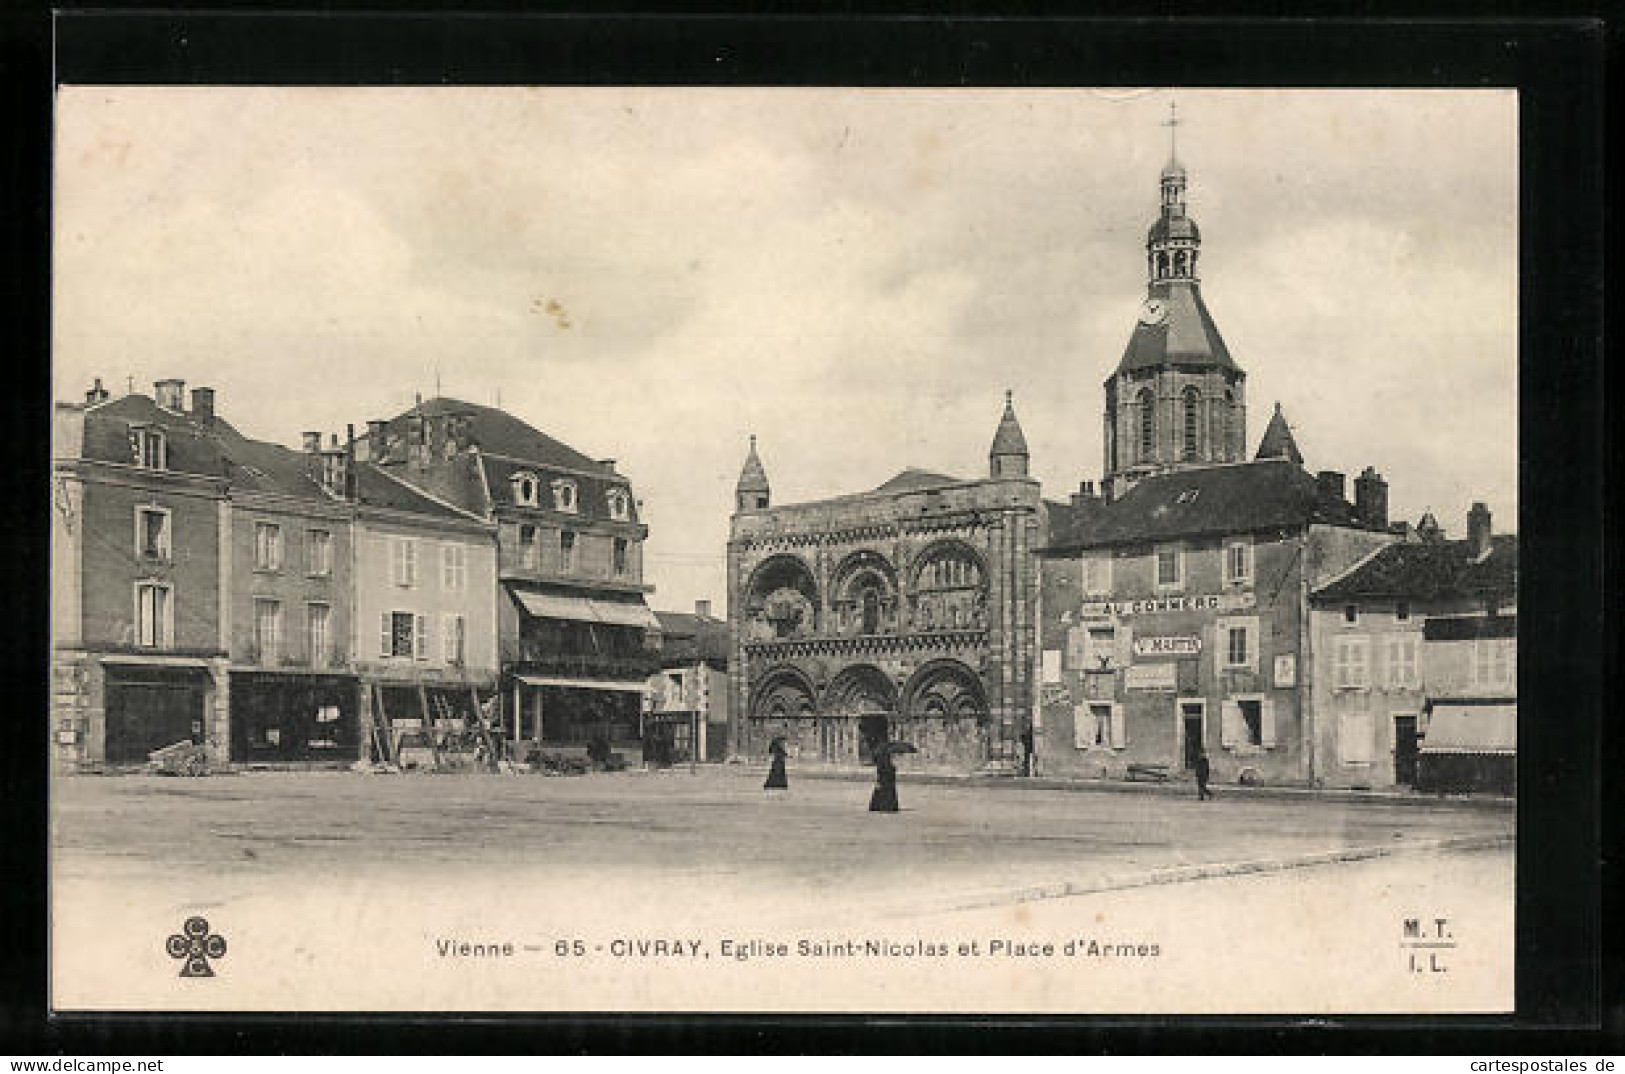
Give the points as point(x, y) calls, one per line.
point(1471, 747)
point(293, 719)
point(148, 707)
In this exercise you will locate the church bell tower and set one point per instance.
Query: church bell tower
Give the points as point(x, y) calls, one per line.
point(1177, 398)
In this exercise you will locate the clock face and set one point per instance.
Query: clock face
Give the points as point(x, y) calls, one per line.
point(1153, 311)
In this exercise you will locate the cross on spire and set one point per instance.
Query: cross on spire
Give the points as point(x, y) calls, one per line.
point(1172, 123)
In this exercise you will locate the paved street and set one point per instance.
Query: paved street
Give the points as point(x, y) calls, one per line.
point(303, 867)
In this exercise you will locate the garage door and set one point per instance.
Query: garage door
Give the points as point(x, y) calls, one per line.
point(144, 716)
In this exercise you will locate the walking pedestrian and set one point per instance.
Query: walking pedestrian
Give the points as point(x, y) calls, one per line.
point(884, 798)
point(777, 780)
point(1203, 770)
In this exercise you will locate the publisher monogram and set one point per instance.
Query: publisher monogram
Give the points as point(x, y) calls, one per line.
point(196, 946)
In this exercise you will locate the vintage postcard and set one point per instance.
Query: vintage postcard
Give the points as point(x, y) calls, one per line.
point(784, 549)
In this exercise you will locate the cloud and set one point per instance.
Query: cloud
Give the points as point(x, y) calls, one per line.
point(856, 277)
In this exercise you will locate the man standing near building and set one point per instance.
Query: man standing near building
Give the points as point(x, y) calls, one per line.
point(1202, 773)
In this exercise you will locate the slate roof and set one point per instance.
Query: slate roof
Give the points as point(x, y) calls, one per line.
point(215, 448)
point(1431, 570)
point(592, 493)
point(1186, 336)
point(498, 432)
point(211, 448)
point(1277, 442)
point(912, 479)
point(507, 446)
point(1236, 498)
point(686, 638)
point(377, 488)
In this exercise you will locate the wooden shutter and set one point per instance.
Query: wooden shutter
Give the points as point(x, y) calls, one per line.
point(420, 636)
point(1230, 724)
point(410, 560)
point(1083, 726)
point(1119, 726)
point(1125, 646)
point(388, 637)
point(1266, 722)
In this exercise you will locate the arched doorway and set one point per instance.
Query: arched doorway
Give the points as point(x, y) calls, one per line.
point(782, 706)
point(945, 715)
point(858, 708)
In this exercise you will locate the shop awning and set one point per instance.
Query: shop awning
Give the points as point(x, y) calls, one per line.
point(1472, 727)
point(630, 686)
point(553, 606)
point(632, 614)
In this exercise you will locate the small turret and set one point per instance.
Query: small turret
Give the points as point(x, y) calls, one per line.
point(1008, 455)
point(752, 493)
point(1278, 442)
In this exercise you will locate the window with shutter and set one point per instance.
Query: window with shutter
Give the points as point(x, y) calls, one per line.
point(1119, 726)
point(1266, 710)
point(1229, 725)
point(1354, 735)
point(1083, 727)
point(386, 636)
point(421, 635)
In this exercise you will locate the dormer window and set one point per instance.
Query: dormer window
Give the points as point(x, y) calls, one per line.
point(526, 490)
point(564, 495)
point(618, 504)
point(151, 447)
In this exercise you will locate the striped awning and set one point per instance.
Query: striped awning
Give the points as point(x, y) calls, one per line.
point(1472, 727)
point(628, 613)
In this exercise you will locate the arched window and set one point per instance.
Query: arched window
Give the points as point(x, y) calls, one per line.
point(564, 495)
point(1179, 263)
point(617, 504)
point(1148, 424)
point(871, 611)
point(1193, 407)
point(1225, 423)
point(524, 489)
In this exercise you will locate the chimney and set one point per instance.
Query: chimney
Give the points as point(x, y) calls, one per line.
point(349, 463)
point(1402, 530)
point(1085, 493)
point(203, 404)
point(702, 608)
point(96, 394)
point(608, 464)
point(376, 449)
point(1478, 531)
point(169, 394)
point(313, 442)
point(1371, 498)
point(1331, 483)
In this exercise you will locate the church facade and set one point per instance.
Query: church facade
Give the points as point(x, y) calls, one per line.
point(904, 613)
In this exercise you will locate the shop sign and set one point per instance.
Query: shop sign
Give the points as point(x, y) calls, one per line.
point(1286, 669)
point(1204, 602)
point(1150, 676)
point(1168, 645)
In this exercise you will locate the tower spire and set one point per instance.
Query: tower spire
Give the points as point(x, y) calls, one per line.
point(1172, 123)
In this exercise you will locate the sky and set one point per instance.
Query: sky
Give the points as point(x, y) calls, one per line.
point(855, 276)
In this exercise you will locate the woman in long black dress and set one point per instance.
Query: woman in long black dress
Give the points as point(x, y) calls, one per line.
point(884, 798)
point(777, 780)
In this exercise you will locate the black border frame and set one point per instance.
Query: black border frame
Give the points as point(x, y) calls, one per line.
point(1568, 657)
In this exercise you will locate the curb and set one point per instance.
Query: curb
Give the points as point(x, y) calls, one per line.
point(1174, 788)
point(1184, 874)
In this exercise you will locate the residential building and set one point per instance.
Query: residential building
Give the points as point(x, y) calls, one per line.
point(1174, 605)
point(1417, 645)
point(576, 641)
point(425, 623)
point(903, 612)
point(687, 718)
point(293, 681)
point(139, 564)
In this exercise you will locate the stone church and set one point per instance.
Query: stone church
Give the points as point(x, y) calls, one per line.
point(903, 612)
